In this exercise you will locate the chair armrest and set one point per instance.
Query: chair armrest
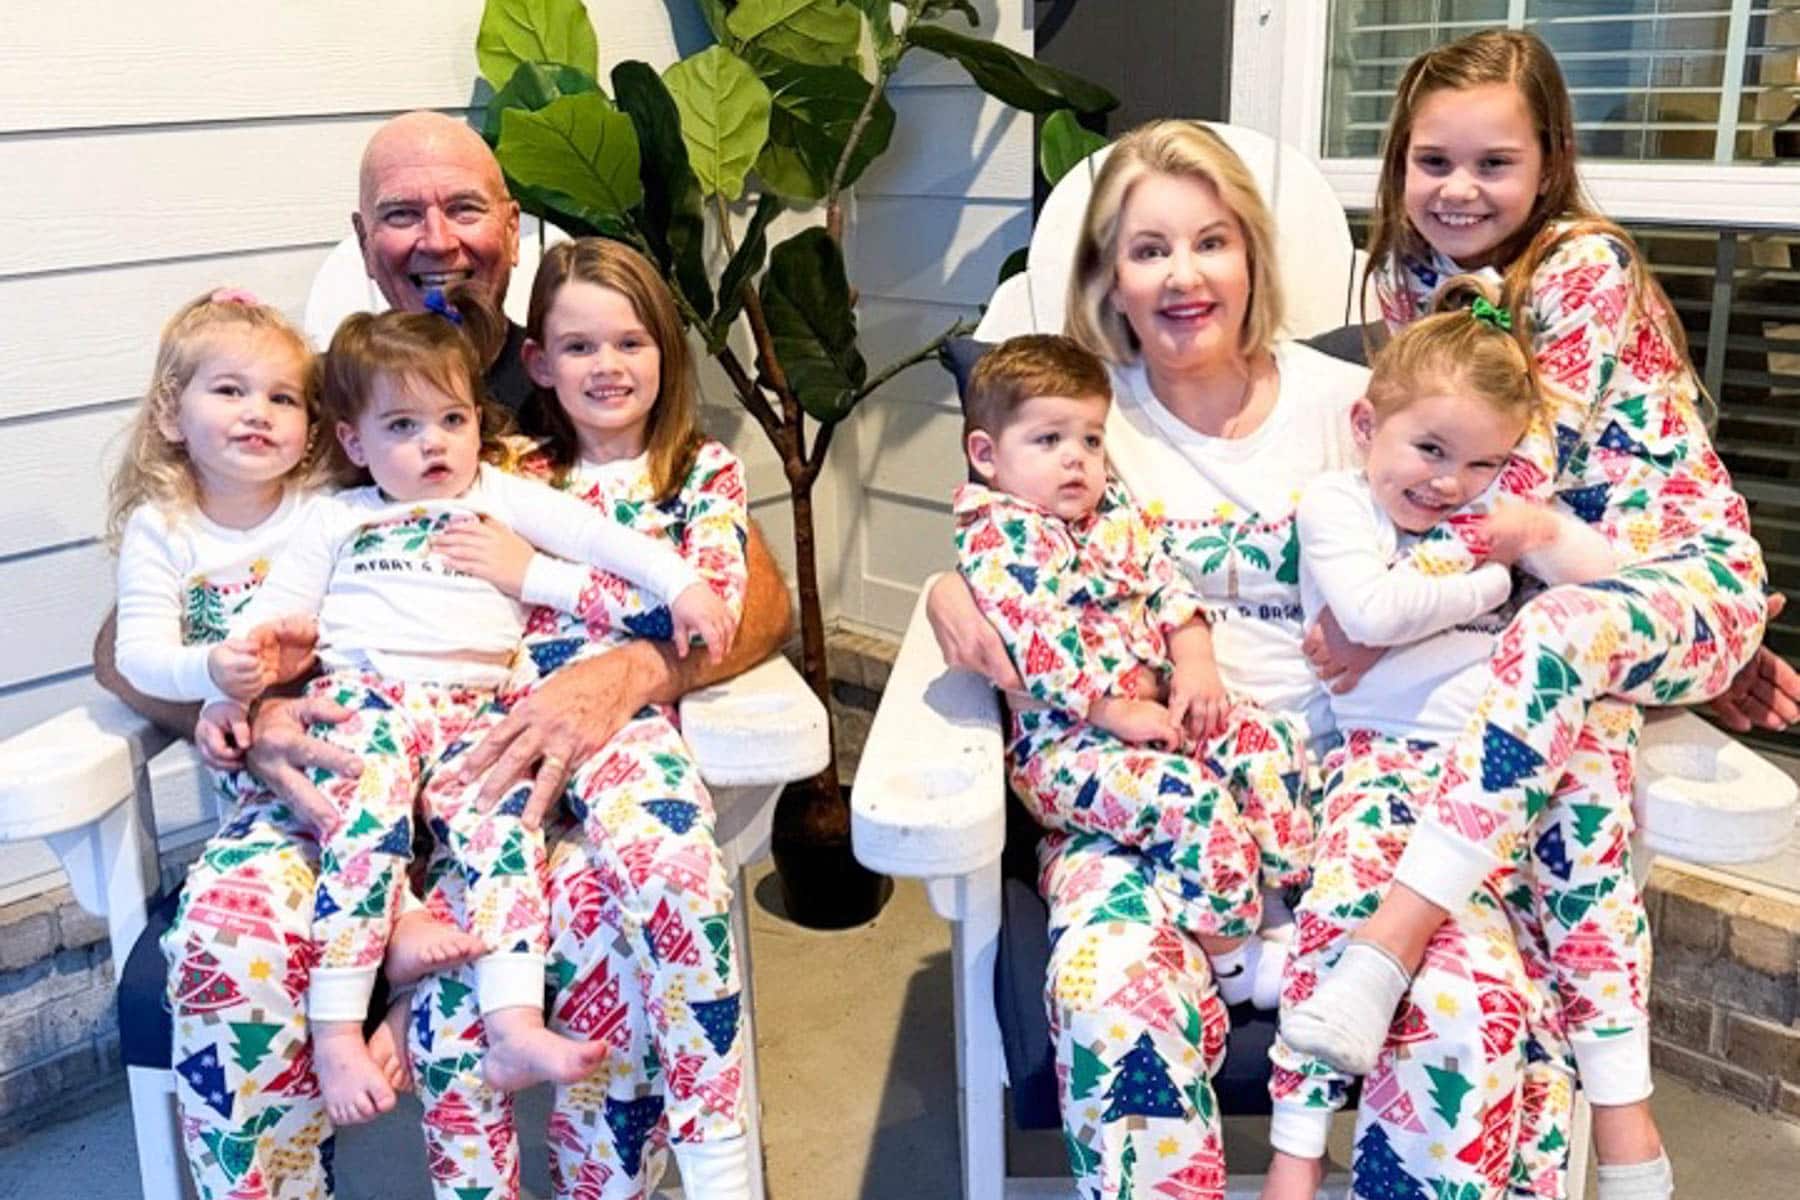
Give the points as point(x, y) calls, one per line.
point(70, 771)
point(762, 727)
point(930, 794)
point(1705, 797)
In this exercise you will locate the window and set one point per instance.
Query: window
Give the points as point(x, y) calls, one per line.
point(1687, 111)
point(1651, 80)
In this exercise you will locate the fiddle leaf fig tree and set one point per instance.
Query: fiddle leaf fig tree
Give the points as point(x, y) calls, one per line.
point(785, 110)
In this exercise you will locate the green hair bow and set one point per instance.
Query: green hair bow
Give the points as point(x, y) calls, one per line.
point(1491, 314)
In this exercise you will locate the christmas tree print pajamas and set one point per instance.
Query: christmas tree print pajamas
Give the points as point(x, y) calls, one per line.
point(1478, 991)
point(641, 954)
point(1082, 607)
point(1126, 984)
point(1625, 450)
point(416, 651)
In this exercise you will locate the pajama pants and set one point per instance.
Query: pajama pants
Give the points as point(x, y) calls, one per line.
point(1220, 824)
point(1469, 1098)
point(407, 735)
point(1671, 631)
point(641, 957)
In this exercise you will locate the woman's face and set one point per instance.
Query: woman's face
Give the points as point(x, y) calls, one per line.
point(1181, 273)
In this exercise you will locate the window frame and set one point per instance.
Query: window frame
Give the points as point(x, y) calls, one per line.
point(1278, 59)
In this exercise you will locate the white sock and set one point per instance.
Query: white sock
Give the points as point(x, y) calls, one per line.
point(1271, 965)
point(1277, 916)
point(717, 1170)
point(1235, 971)
point(1653, 1180)
point(1345, 1021)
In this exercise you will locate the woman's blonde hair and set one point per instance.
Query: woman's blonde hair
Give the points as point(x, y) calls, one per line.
point(1185, 149)
point(448, 350)
point(673, 437)
point(1466, 347)
point(158, 471)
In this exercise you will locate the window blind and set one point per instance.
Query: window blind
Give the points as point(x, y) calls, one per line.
point(1650, 80)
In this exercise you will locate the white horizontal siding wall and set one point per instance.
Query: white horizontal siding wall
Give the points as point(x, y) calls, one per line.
point(149, 152)
point(933, 221)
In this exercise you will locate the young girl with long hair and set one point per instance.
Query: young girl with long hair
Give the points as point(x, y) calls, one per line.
point(1479, 174)
point(616, 407)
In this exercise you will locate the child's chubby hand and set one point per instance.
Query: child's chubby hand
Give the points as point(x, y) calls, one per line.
point(1139, 722)
point(487, 549)
point(222, 734)
point(1198, 701)
point(246, 666)
point(1515, 528)
point(699, 613)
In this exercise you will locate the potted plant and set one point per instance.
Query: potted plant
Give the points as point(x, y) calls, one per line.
point(785, 110)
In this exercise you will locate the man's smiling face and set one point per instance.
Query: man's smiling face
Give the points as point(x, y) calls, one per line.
point(434, 211)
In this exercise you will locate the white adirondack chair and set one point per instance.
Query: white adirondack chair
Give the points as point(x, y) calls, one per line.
point(91, 781)
point(929, 801)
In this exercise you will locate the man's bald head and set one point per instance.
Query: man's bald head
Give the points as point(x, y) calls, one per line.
point(433, 210)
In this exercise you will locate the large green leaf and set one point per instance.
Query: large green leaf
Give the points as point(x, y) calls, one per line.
point(1007, 75)
point(577, 149)
point(674, 220)
point(540, 31)
point(822, 32)
point(534, 86)
point(752, 249)
point(724, 117)
point(807, 302)
point(815, 109)
point(1063, 143)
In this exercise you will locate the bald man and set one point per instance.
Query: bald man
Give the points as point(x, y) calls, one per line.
point(432, 211)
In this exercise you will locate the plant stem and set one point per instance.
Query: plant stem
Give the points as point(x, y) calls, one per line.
point(834, 210)
point(751, 395)
point(928, 350)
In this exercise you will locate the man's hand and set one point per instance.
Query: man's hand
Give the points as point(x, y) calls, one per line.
point(1766, 693)
point(1339, 662)
point(1137, 722)
point(965, 637)
point(488, 550)
point(282, 751)
point(566, 720)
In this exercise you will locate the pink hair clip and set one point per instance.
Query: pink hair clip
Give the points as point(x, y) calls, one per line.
point(234, 296)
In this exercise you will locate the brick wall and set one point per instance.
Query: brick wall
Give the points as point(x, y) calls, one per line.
point(59, 1034)
point(1725, 993)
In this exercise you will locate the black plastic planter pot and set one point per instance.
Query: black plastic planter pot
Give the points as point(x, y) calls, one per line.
point(822, 884)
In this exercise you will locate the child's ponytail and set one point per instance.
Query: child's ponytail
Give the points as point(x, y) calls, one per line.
point(1470, 342)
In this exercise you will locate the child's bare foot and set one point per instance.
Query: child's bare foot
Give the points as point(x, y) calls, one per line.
point(521, 1052)
point(422, 944)
point(1293, 1178)
point(387, 1045)
point(355, 1089)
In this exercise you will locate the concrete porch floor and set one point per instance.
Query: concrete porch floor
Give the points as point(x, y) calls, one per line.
point(858, 1093)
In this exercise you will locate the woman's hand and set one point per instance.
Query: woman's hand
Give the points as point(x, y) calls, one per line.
point(699, 613)
point(1766, 693)
point(1339, 662)
point(564, 722)
point(488, 550)
point(965, 637)
point(282, 752)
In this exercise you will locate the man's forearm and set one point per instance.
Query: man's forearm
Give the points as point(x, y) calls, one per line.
point(172, 716)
